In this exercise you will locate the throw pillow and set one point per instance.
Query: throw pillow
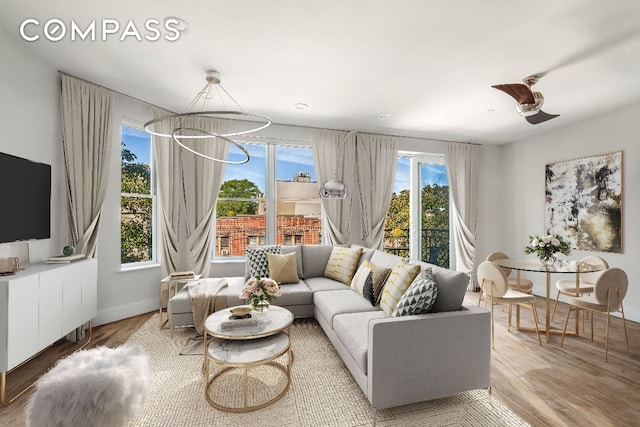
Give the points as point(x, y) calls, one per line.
point(361, 277)
point(420, 296)
point(374, 282)
point(399, 280)
point(257, 259)
point(283, 268)
point(342, 264)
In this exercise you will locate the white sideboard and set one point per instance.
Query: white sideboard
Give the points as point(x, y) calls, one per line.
point(42, 304)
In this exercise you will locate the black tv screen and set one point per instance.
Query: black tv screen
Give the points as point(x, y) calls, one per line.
point(25, 191)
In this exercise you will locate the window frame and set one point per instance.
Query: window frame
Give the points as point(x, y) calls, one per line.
point(154, 252)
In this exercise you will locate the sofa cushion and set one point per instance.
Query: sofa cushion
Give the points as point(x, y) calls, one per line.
point(452, 286)
point(420, 296)
point(283, 268)
point(352, 329)
point(291, 294)
point(257, 264)
point(342, 264)
point(314, 260)
point(384, 259)
point(317, 284)
point(298, 251)
point(331, 303)
point(399, 280)
point(366, 254)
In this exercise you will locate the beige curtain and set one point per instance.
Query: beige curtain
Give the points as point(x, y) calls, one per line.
point(188, 183)
point(377, 158)
point(166, 156)
point(462, 161)
point(332, 156)
point(86, 141)
point(201, 180)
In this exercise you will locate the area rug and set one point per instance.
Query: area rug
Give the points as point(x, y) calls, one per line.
point(322, 391)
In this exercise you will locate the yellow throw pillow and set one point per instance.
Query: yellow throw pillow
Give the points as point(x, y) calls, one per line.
point(283, 268)
point(342, 264)
point(397, 284)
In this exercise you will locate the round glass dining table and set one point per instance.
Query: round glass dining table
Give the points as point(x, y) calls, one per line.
point(562, 267)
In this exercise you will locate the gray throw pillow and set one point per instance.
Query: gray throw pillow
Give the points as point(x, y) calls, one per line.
point(420, 296)
point(257, 262)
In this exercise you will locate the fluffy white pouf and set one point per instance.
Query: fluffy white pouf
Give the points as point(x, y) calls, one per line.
point(97, 387)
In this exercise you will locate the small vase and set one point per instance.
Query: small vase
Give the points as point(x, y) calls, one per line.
point(261, 307)
point(549, 261)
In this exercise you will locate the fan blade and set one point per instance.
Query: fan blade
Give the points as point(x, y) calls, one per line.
point(540, 117)
point(520, 92)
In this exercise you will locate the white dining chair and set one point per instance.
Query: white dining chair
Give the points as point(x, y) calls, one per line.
point(495, 288)
point(609, 290)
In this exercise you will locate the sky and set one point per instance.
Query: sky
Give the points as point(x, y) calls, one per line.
point(290, 161)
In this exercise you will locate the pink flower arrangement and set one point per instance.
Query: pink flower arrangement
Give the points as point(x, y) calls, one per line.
point(260, 291)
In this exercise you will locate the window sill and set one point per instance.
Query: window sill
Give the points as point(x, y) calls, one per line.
point(126, 268)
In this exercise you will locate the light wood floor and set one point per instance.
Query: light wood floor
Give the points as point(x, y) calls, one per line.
point(546, 385)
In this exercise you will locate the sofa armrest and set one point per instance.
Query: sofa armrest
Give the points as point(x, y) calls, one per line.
point(417, 358)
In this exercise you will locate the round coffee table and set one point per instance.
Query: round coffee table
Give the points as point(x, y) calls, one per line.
point(247, 346)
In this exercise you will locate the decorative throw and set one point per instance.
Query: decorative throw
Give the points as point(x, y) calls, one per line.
point(399, 280)
point(420, 296)
point(283, 268)
point(342, 264)
point(206, 299)
point(369, 281)
point(257, 259)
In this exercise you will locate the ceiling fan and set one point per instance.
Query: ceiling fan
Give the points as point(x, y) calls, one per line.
point(528, 102)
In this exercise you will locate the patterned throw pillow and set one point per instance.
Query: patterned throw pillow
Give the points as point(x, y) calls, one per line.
point(342, 264)
point(374, 282)
point(420, 296)
point(399, 280)
point(257, 260)
point(283, 268)
point(359, 280)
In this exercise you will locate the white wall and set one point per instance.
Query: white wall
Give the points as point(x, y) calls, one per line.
point(521, 191)
point(30, 124)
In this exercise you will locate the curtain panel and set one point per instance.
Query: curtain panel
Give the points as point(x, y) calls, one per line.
point(377, 158)
point(86, 112)
point(337, 212)
point(463, 172)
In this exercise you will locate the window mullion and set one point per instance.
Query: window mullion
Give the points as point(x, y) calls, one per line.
point(270, 196)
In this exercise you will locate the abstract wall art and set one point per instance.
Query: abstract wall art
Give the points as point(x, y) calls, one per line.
point(583, 201)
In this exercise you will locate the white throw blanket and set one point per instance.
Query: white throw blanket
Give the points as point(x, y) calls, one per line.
point(206, 299)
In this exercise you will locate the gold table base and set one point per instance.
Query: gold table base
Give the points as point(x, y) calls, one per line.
point(286, 369)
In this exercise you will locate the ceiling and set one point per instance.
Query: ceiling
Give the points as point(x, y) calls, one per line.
point(428, 64)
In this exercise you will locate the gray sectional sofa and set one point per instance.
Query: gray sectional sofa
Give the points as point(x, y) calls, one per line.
point(395, 360)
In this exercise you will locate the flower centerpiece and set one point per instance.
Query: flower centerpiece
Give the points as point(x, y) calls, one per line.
point(546, 247)
point(261, 292)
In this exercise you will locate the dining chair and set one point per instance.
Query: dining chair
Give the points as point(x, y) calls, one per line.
point(608, 292)
point(585, 286)
point(523, 285)
point(496, 290)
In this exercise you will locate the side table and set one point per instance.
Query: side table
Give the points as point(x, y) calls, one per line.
point(169, 287)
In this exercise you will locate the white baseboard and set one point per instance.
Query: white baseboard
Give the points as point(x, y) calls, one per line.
point(125, 311)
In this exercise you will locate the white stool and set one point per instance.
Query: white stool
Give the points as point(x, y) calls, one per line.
point(97, 387)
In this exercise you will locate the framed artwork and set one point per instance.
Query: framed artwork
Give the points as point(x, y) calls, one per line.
point(583, 201)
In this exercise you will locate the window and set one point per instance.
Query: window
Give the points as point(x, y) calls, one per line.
point(137, 197)
point(272, 199)
point(428, 208)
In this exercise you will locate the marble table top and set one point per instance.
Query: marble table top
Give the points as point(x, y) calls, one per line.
point(271, 322)
point(249, 351)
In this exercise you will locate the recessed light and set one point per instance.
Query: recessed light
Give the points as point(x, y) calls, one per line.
point(301, 106)
point(383, 116)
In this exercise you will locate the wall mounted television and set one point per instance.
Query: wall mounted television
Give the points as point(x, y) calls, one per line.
point(25, 194)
